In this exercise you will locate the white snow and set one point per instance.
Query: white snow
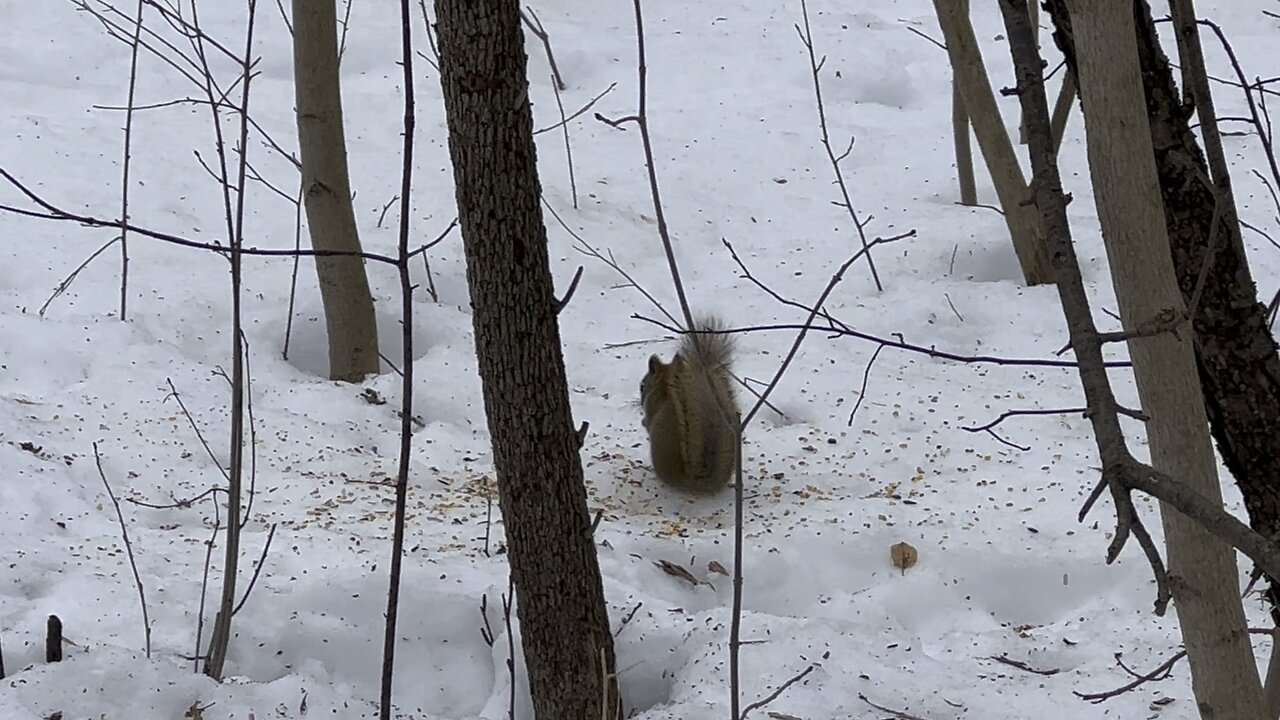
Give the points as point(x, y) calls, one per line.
point(1004, 567)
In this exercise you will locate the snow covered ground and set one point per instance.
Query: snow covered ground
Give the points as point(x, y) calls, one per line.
point(1004, 568)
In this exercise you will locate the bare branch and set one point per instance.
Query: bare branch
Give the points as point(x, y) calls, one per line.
point(806, 37)
point(776, 693)
point(128, 546)
point(1006, 660)
point(531, 21)
point(262, 559)
point(52, 212)
point(895, 714)
point(568, 294)
point(70, 278)
point(866, 377)
point(579, 111)
point(406, 372)
point(568, 148)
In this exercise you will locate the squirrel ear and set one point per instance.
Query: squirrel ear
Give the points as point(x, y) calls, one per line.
point(655, 364)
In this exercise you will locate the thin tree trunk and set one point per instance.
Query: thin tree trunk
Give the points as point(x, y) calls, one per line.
point(563, 618)
point(1202, 569)
point(1062, 108)
point(964, 150)
point(960, 133)
point(344, 287)
point(980, 103)
point(1033, 18)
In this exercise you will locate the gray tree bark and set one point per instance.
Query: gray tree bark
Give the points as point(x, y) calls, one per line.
point(1239, 364)
point(344, 287)
point(564, 621)
point(1204, 578)
point(960, 135)
point(970, 75)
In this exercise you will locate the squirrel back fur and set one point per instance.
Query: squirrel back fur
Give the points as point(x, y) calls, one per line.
point(690, 412)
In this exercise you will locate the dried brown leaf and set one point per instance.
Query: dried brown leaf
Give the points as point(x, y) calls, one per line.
point(904, 556)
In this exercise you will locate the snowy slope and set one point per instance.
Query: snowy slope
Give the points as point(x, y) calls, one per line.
point(1004, 570)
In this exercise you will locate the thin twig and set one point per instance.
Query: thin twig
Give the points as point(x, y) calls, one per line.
point(124, 173)
point(896, 714)
point(579, 112)
point(1259, 115)
point(781, 689)
point(204, 582)
point(815, 66)
point(177, 503)
point(253, 434)
point(284, 15)
point(431, 38)
point(939, 43)
point(507, 601)
point(173, 393)
point(531, 21)
point(345, 22)
point(406, 371)
point(262, 559)
point(66, 281)
point(568, 294)
point(1161, 672)
point(1006, 660)
point(866, 377)
point(587, 249)
point(293, 276)
point(1050, 411)
point(641, 118)
point(568, 148)
point(157, 44)
point(52, 212)
point(382, 215)
point(128, 546)
point(627, 619)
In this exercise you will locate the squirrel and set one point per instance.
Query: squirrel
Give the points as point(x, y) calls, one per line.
point(690, 412)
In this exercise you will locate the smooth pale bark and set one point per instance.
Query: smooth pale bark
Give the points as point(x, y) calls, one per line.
point(970, 75)
point(964, 150)
point(1033, 18)
point(1203, 575)
point(1062, 108)
point(331, 222)
point(564, 621)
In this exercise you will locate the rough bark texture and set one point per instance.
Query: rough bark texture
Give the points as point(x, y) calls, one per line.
point(1202, 569)
point(1239, 365)
point(970, 75)
point(344, 287)
point(563, 617)
point(1235, 352)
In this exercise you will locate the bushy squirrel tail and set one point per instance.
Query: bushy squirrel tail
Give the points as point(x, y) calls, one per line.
point(691, 412)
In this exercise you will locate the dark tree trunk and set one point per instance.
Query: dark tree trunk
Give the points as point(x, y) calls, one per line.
point(562, 612)
point(1235, 353)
